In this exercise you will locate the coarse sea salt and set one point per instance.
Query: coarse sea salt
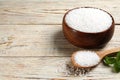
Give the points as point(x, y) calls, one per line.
point(89, 20)
point(86, 58)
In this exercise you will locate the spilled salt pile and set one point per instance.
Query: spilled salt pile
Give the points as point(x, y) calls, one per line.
point(86, 58)
point(88, 20)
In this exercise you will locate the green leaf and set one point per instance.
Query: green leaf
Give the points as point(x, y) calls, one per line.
point(117, 63)
point(113, 62)
point(117, 66)
point(118, 56)
point(109, 60)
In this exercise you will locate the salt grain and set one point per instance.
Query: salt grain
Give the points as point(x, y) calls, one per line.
point(86, 58)
point(75, 71)
point(88, 20)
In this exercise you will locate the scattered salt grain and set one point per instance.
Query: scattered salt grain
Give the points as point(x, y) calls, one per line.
point(88, 20)
point(75, 71)
point(86, 58)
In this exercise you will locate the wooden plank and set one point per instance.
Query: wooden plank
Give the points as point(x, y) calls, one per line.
point(47, 68)
point(40, 40)
point(34, 40)
point(49, 12)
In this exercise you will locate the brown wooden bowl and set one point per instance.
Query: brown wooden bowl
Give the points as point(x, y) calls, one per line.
point(86, 39)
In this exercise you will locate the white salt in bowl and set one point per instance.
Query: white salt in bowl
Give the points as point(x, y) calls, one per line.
point(88, 27)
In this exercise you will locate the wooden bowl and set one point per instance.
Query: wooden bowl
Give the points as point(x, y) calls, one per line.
point(86, 39)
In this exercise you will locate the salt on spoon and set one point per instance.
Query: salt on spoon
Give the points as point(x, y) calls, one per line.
point(88, 59)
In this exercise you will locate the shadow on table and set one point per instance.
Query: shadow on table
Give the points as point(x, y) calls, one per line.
point(63, 47)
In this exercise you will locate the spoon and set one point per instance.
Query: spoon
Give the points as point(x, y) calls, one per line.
point(89, 59)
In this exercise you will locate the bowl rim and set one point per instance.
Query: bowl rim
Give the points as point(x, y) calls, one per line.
point(112, 25)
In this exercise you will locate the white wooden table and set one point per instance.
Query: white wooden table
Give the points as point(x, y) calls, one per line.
point(32, 45)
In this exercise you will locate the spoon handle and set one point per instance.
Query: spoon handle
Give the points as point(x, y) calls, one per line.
point(102, 54)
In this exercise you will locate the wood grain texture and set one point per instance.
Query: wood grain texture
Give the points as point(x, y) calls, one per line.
point(47, 68)
point(34, 40)
point(32, 44)
point(40, 40)
point(49, 12)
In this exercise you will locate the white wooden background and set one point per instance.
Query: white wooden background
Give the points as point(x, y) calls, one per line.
point(32, 45)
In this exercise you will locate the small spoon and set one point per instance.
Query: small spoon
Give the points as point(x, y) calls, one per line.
point(99, 56)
